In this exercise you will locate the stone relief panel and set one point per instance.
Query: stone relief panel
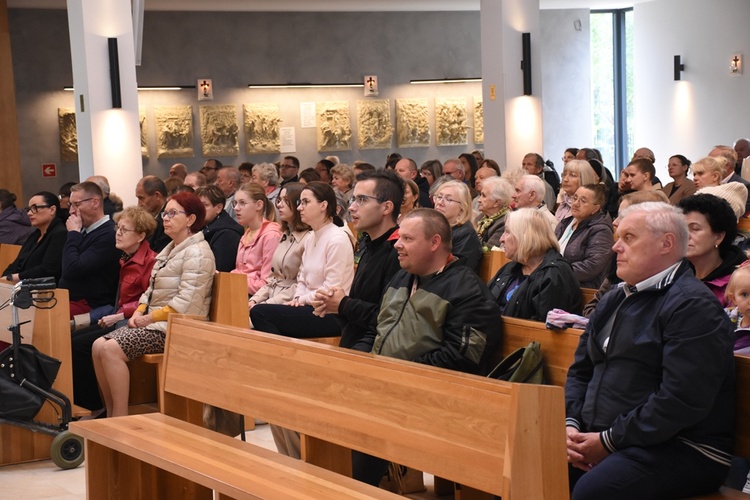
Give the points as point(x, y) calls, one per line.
point(333, 123)
point(66, 120)
point(262, 128)
point(219, 130)
point(478, 120)
point(144, 131)
point(374, 127)
point(174, 125)
point(412, 123)
point(451, 121)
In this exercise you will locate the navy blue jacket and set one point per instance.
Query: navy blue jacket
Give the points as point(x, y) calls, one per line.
point(667, 371)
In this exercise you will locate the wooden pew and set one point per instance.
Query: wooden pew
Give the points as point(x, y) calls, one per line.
point(491, 263)
point(51, 335)
point(8, 254)
point(508, 439)
point(228, 307)
point(743, 224)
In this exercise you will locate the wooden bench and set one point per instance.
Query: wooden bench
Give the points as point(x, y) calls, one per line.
point(508, 439)
point(50, 335)
point(559, 347)
point(490, 264)
point(228, 307)
point(8, 254)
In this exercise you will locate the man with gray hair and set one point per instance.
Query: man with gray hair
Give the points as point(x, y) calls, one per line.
point(650, 395)
point(529, 193)
point(729, 154)
point(103, 183)
point(228, 179)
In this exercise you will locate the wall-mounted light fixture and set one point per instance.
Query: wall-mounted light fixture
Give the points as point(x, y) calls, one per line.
point(445, 80)
point(735, 66)
point(156, 87)
point(114, 72)
point(205, 89)
point(526, 62)
point(303, 85)
point(678, 68)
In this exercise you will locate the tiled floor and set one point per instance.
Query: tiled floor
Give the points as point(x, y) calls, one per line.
point(44, 481)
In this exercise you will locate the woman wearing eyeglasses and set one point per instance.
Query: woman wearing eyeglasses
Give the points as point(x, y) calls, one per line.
point(282, 282)
point(180, 283)
point(133, 227)
point(262, 234)
point(221, 232)
point(453, 200)
point(327, 262)
point(586, 237)
point(41, 253)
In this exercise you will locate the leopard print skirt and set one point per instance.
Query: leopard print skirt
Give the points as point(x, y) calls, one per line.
point(135, 342)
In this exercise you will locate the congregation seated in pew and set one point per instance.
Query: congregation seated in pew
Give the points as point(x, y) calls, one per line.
point(221, 231)
point(180, 282)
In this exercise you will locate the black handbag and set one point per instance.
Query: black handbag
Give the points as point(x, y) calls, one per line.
point(16, 400)
point(525, 365)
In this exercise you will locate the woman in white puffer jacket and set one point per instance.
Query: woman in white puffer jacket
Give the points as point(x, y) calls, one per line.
point(180, 283)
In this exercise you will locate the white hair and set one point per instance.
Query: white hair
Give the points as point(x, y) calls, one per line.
point(662, 218)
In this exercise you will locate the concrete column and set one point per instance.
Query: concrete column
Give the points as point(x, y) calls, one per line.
point(10, 151)
point(512, 121)
point(108, 139)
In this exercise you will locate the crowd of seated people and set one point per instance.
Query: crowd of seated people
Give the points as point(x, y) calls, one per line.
point(297, 254)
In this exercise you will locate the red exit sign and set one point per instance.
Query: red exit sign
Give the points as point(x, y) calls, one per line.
point(49, 170)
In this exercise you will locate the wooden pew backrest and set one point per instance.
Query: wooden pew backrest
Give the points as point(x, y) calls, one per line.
point(8, 254)
point(374, 404)
point(558, 346)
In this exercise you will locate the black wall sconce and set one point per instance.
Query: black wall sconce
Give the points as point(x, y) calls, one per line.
point(678, 68)
point(526, 62)
point(114, 73)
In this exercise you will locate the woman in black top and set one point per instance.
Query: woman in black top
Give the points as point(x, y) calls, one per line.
point(41, 253)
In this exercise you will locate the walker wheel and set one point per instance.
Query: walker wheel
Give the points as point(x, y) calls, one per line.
point(66, 450)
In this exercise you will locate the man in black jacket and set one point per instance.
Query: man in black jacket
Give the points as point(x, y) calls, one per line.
point(374, 210)
point(650, 395)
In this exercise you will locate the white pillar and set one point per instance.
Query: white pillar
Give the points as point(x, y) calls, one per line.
point(512, 121)
point(109, 141)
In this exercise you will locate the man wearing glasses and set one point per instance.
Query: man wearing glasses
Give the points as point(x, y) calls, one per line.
point(210, 169)
point(374, 209)
point(288, 170)
point(151, 193)
point(90, 261)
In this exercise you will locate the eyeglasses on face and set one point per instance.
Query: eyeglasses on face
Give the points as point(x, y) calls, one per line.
point(35, 208)
point(77, 204)
point(440, 197)
point(204, 168)
point(303, 202)
point(122, 229)
point(172, 213)
point(361, 199)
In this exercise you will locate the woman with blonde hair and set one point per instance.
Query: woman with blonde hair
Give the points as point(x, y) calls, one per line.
point(342, 180)
point(537, 279)
point(576, 173)
point(453, 200)
point(708, 171)
point(262, 234)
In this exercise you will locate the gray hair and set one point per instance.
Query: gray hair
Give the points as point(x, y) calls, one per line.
point(267, 172)
point(534, 183)
point(459, 165)
point(662, 218)
point(500, 189)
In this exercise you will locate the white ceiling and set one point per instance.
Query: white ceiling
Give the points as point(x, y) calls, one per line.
point(332, 5)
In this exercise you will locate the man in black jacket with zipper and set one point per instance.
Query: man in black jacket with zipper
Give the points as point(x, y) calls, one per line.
point(650, 395)
point(374, 209)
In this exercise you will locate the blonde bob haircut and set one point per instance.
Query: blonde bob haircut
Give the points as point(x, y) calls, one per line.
point(740, 277)
point(585, 173)
point(464, 199)
point(532, 232)
point(711, 165)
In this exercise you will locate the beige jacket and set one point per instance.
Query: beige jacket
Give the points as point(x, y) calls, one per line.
point(181, 279)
